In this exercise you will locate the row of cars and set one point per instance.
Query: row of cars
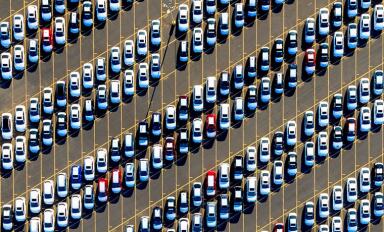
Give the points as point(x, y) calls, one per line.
point(329, 204)
point(44, 13)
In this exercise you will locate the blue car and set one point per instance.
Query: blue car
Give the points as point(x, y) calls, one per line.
point(76, 177)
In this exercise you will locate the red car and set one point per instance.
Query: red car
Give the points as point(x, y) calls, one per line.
point(310, 60)
point(116, 181)
point(210, 184)
point(169, 148)
point(210, 125)
point(279, 227)
point(102, 190)
point(46, 39)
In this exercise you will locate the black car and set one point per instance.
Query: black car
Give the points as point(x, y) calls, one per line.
point(337, 106)
point(251, 67)
point(292, 163)
point(157, 218)
point(337, 14)
point(45, 8)
point(89, 110)
point(377, 82)
point(224, 83)
point(33, 143)
point(115, 149)
point(337, 137)
point(292, 42)
point(279, 50)
point(183, 141)
point(87, 12)
point(61, 94)
point(238, 167)
point(278, 83)
point(170, 208)
point(156, 123)
point(143, 133)
point(61, 124)
point(292, 75)
point(251, 97)
point(73, 26)
point(223, 206)
point(237, 199)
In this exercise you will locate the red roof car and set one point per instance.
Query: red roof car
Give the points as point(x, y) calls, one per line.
point(279, 227)
point(210, 183)
point(46, 39)
point(210, 125)
point(169, 148)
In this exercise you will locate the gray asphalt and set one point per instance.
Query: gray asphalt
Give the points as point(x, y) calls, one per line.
point(130, 206)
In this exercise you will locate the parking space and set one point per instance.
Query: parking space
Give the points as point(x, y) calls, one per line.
point(128, 207)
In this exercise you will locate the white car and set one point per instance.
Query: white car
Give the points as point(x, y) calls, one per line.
point(364, 91)
point(49, 220)
point(238, 109)
point(351, 218)
point(278, 172)
point(250, 191)
point(323, 22)
point(224, 176)
point(33, 51)
point(365, 119)
point(352, 35)
point(7, 156)
point(364, 180)
point(338, 44)
point(336, 223)
point(87, 76)
point(115, 59)
point(264, 183)
point(89, 168)
point(365, 26)
point(197, 40)
point(60, 31)
point(197, 11)
point(143, 170)
point(291, 133)
point(211, 32)
point(250, 158)
point(75, 117)
point(35, 224)
point(322, 144)
point(101, 10)
point(155, 32)
point(309, 123)
point(183, 18)
point(197, 98)
point(351, 8)
point(264, 151)
point(20, 149)
point(48, 104)
point(76, 207)
point(157, 156)
point(101, 160)
point(32, 17)
point(351, 191)
point(323, 205)
point(323, 114)
point(143, 76)
point(62, 214)
point(129, 85)
point(378, 112)
point(129, 53)
point(114, 92)
point(20, 210)
point(48, 192)
point(74, 84)
point(20, 118)
point(155, 66)
point(309, 30)
point(18, 27)
point(6, 66)
point(114, 5)
point(337, 198)
point(34, 200)
point(224, 116)
point(170, 117)
point(61, 185)
point(197, 128)
point(34, 110)
point(89, 197)
point(378, 17)
point(5, 38)
point(309, 153)
point(141, 43)
point(18, 57)
point(210, 89)
point(365, 212)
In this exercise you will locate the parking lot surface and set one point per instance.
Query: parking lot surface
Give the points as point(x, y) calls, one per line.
point(128, 207)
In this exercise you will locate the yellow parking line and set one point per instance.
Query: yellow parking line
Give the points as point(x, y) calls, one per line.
point(299, 85)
